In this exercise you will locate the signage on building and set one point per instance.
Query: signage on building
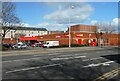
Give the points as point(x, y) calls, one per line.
point(28, 38)
point(79, 35)
point(41, 37)
point(58, 36)
point(66, 35)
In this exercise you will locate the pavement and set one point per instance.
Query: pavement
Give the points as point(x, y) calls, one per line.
point(82, 63)
point(49, 50)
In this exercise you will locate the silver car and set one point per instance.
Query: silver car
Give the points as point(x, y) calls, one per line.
point(20, 46)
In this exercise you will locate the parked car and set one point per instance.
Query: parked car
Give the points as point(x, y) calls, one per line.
point(37, 45)
point(6, 45)
point(20, 46)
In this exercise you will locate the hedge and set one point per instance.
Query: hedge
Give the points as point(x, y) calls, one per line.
point(73, 45)
point(2, 48)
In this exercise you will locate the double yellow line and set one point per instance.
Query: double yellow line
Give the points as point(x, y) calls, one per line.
point(107, 75)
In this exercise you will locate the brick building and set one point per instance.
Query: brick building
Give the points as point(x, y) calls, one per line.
point(81, 38)
point(80, 34)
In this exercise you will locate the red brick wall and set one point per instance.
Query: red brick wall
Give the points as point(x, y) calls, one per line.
point(83, 28)
point(114, 40)
point(84, 36)
point(9, 41)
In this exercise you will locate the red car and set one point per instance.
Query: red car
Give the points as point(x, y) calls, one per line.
point(37, 45)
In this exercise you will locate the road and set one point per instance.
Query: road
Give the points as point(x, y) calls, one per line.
point(89, 65)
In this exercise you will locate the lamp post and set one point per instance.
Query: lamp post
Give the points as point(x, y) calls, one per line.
point(71, 7)
point(69, 37)
point(89, 39)
point(100, 37)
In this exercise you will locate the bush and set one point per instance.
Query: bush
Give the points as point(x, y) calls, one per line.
point(64, 45)
point(73, 45)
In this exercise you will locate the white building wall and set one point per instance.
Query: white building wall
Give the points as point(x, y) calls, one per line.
point(10, 34)
point(28, 33)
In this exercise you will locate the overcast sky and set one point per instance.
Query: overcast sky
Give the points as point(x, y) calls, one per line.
point(58, 15)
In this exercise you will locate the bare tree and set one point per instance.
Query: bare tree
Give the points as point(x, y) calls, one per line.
point(107, 28)
point(18, 35)
point(9, 20)
point(97, 33)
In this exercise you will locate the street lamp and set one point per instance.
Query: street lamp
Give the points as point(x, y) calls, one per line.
point(100, 38)
point(72, 7)
point(89, 39)
point(69, 37)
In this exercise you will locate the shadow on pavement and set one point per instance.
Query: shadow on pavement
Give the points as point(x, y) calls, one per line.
point(115, 58)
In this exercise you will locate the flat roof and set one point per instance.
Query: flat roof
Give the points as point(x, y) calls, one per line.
point(28, 28)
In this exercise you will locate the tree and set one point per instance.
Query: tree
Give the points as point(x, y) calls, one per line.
point(97, 33)
point(106, 27)
point(9, 20)
point(18, 35)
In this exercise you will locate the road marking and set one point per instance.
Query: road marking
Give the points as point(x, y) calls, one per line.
point(85, 53)
point(69, 55)
point(48, 54)
point(68, 58)
point(54, 54)
point(109, 51)
point(113, 76)
point(22, 59)
point(37, 55)
point(98, 52)
point(92, 59)
point(31, 68)
point(21, 53)
point(65, 55)
point(99, 64)
point(107, 75)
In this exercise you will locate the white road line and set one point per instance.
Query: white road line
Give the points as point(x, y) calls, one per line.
point(113, 76)
point(37, 55)
point(98, 52)
point(61, 55)
point(22, 59)
point(85, 53)
point(66, 58)
point(49, 54)
point(69, 55)
point(92, 59)
point(31, 68)
point(109, 51)
point(54, 54)
point(65, 55)
point(99, 64)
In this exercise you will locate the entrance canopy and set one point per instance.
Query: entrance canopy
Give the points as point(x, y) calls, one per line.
point(28, 38)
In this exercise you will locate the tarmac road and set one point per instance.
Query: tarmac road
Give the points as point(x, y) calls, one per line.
point(89, 65)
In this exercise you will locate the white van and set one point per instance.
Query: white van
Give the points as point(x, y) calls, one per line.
point(48, 44)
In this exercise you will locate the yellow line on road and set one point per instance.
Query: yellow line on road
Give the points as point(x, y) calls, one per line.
point(107, 75)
